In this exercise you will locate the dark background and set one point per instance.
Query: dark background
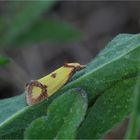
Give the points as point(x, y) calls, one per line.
point(99, 22)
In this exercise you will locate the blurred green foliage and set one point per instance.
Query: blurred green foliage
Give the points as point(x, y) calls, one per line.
point(3, 60)
point(47, 31)
point(27, 15)
point(24, 25)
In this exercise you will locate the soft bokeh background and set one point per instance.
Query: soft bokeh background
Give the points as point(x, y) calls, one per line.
point(98, 21)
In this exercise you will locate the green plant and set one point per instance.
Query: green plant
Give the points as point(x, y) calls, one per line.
point(28, 27)
point(108, 82)
point(134, 125)
point(3, 60)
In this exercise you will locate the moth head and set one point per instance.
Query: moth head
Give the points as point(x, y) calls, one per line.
point(76, 66)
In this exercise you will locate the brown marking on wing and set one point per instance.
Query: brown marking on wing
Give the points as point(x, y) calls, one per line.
point(53, 75)
point(41, 97)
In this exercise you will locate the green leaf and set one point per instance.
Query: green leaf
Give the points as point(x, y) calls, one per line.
point(112, 107)
point(121, 61)
point(3, 25)
point(118, 62)
point(64, 115)
point(24, 19)
point(10, 106)
point(4, 60)
point(134, 124)
point(17, 112)
point(47, 31)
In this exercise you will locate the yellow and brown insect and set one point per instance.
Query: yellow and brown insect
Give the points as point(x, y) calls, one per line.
point(39, 90)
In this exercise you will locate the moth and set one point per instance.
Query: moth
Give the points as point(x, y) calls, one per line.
point(39, 90)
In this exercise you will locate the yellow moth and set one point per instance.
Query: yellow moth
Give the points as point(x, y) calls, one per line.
point(41, 89)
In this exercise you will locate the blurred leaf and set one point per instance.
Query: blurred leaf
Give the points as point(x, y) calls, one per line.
point(48, 31)
point(64, 116)
point(2, 25)
point(4, 60)
point(118, 62)
point(24, 19)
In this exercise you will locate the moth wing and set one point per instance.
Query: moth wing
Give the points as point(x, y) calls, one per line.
point(56, 79)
